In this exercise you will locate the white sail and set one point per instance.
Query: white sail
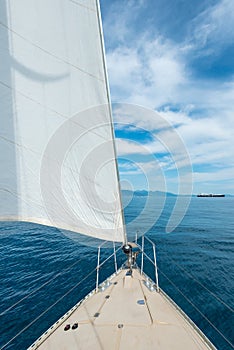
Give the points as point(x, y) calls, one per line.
point(58, 163)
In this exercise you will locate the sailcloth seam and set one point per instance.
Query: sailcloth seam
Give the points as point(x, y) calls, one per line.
point(50, 53)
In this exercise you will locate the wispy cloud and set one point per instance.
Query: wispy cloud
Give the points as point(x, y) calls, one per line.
point(149, 69)
point(212, 29)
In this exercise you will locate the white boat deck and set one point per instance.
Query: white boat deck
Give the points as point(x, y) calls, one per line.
point(126, 315)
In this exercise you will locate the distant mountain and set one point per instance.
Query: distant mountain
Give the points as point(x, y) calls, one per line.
point(144, 193)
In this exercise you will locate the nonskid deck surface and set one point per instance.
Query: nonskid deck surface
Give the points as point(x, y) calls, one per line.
point(126, 315)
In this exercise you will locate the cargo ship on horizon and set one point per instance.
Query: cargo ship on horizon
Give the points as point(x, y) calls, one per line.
point(210, 195)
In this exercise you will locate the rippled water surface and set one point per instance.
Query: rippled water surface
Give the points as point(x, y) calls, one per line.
point(39, 265)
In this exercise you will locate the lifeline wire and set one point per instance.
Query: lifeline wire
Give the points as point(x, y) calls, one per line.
point(201, 284)
point(189, 301)
point(37, 289)
point(51, 306)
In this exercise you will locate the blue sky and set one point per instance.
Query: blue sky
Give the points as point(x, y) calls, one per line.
point(173, 57)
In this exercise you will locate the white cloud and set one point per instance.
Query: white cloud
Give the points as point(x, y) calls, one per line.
point(155, 72)
point(119, 22)
point(220, 175)
point(214, 26)
point(124, 69)
point(148, 73)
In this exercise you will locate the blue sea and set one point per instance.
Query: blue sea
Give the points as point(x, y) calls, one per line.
point(44, 272)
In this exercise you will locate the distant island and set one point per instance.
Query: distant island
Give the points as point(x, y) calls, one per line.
point(144, 193)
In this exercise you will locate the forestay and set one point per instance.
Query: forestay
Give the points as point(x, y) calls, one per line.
point(58, 164)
